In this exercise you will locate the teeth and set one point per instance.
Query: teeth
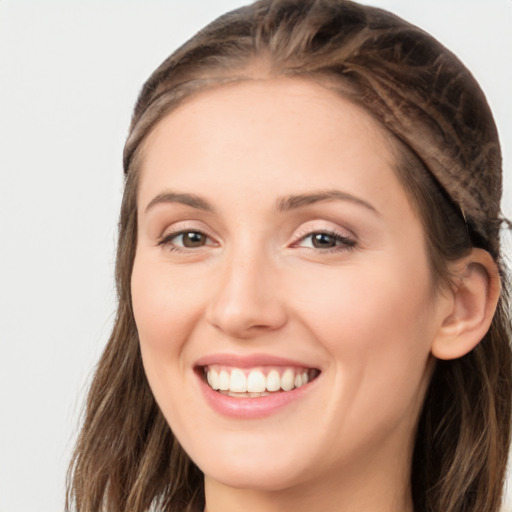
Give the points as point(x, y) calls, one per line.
point(287, 380)
point(254, 383)
point(238, 382)
point(273, 381)
point(224, 380)
point(213, 379)
point(244, 395)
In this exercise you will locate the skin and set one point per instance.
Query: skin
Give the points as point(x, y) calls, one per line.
point(363, 312)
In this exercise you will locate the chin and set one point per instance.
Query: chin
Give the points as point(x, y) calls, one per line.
point(241, 475)
point(250, 463)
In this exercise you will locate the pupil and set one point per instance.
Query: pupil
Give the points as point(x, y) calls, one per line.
point(322, 240)
point(193, 239)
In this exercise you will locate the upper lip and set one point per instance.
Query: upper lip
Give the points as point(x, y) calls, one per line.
point(249, 361)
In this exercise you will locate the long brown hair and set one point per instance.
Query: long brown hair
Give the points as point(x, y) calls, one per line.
point(449, 162)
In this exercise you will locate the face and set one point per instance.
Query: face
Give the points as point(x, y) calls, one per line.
point(281, 288)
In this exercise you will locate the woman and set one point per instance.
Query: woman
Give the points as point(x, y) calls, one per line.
point(312, 305)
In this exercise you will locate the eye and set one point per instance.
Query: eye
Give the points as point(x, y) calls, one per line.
point(326, 240)
point(186, 240)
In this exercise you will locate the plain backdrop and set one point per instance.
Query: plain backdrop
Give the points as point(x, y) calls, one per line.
point(70, 72)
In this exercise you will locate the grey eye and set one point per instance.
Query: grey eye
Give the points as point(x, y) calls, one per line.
point(326, 240)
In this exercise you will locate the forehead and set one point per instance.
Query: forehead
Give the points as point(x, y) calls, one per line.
point(274, 101)
point(246, 124)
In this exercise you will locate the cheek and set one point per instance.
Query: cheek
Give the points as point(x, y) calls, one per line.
point(165, 314)
point(353, 301)
point(164, 308)
point(374, 320)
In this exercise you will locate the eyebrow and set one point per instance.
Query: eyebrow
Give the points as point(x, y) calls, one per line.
point(298, 201)
point(177, 197)
point(283, 204)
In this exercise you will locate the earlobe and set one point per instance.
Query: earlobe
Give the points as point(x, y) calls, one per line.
point(473, 303)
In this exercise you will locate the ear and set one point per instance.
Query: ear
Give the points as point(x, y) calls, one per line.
point(469, 312)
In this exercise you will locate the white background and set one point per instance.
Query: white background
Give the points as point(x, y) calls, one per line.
point(69, 74)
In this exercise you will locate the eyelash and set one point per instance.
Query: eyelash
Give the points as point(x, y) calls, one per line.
point(343, 243)
point(167, 240)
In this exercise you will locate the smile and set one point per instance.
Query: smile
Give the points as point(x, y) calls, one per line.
point(256, 382)
point(253, 386)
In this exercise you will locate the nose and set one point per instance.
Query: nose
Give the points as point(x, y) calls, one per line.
point(246, 302)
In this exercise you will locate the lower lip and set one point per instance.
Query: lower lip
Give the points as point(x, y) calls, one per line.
point(250, 408)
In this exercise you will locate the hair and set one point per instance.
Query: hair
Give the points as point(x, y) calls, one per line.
point(448, 160)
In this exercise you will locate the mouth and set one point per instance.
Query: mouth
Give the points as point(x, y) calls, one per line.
point(256, 382)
